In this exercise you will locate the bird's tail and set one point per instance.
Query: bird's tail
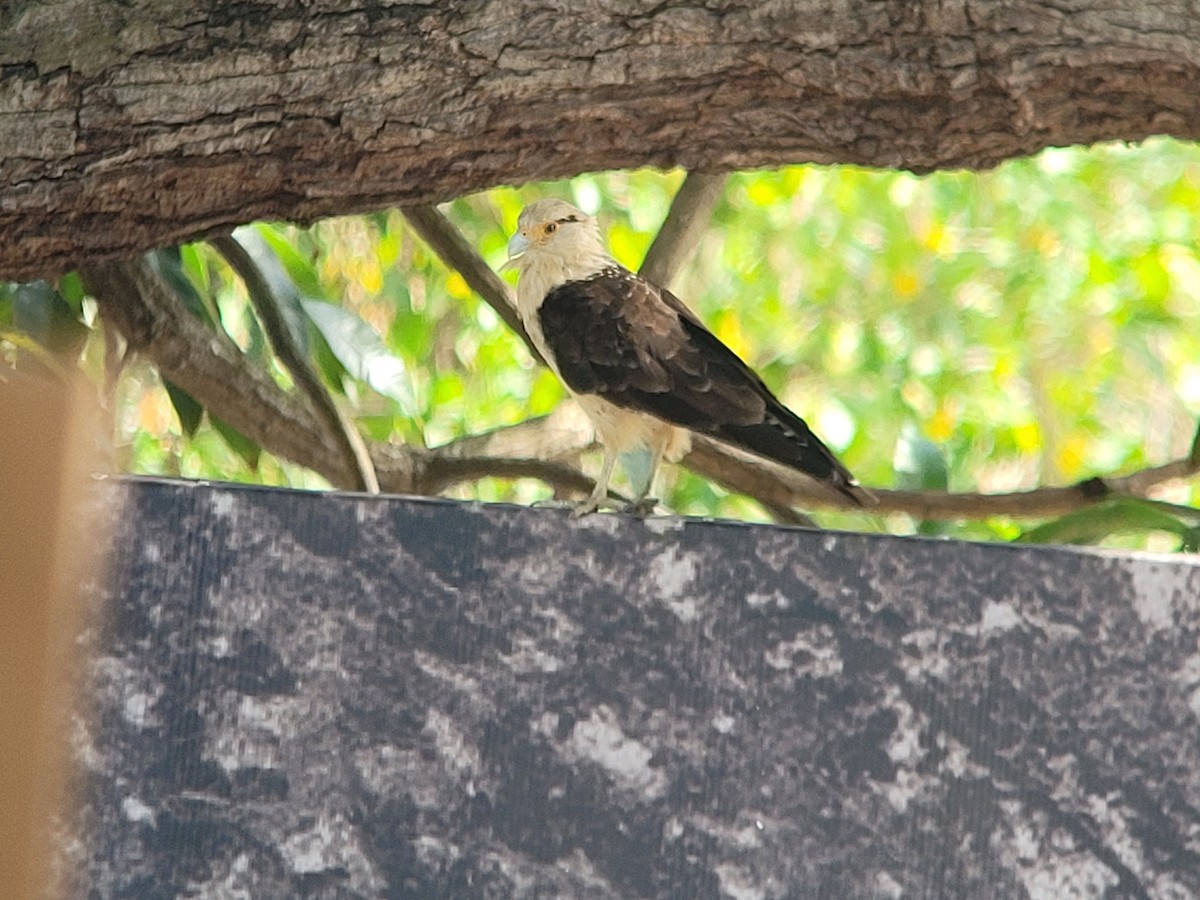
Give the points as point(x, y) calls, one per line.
point(785, 438)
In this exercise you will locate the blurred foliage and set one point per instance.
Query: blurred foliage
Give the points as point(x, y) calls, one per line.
point(1035, 324)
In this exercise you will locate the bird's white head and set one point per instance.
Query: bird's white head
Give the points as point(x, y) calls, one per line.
point(556, 242)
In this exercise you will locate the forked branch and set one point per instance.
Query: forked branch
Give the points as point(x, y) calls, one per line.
point(221, 378)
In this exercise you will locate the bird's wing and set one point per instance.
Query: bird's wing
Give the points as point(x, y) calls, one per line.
point(638, 346)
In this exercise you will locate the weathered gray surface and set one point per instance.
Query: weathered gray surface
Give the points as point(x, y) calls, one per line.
point(339, 696)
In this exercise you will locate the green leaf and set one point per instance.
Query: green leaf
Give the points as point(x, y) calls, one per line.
point(71, 288)
point(238, 442)
point(40, 311)
point(359, 348)
point(1093, 524)
point(1191, 541)
point(919, 463)
point(330, 367)
point(1152, 277)
point(168, 263)
point(279, 282)
point(7, 289)
point(377, 428)
point(193, 261)
point(298, 267)
point(190, 412)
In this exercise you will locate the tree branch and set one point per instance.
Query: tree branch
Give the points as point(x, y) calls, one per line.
point(566, 432)
point(775, 486)
point(451, 469)
point(687, 220)
point(378, 109)
point(457, 253)
point(215, 371)
point(266, 304)
point(210, 367)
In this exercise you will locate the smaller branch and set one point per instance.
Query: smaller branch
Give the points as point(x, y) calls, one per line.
point(1139, 483)
point(266, 304)
point(405, 470)
point(457, 253)
point(786, 515)
point(686, 221)
point(444, 471)
point(209, 366)
point(562, 434)
point(775, 487)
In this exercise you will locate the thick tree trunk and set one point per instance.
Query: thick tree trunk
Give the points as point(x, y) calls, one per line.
point(132, 124)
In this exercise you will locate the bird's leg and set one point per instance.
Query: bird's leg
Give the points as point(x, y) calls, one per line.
point(600, 494)
point(643, 504)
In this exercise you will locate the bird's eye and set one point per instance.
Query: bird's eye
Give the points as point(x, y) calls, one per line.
point(551, 227)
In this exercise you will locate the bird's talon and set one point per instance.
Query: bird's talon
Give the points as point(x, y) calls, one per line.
point(595, 504)
point(641, 508)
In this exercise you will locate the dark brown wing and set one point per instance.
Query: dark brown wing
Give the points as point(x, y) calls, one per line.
point(617, 335)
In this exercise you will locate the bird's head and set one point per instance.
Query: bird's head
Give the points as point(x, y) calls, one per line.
point(553, 234)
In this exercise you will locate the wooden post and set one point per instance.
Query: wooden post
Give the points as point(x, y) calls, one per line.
point(47, 440)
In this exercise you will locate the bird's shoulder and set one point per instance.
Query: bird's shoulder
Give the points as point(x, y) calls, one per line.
point(616, 295)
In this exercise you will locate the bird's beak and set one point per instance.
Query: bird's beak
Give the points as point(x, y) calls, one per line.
point(517, 244)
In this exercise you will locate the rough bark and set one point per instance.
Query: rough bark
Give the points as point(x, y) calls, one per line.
point(128, 124)
point(339, 696)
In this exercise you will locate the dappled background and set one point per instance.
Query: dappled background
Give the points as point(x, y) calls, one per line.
point(1032, 325)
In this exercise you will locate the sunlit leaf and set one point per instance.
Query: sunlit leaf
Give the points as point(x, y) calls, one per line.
point(919, 463)
point(358, 347)
point(299, 267)
point(279, 281)
point(1152, 277)
point(193, 260)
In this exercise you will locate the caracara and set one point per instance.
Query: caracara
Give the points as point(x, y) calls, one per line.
point(642, 366)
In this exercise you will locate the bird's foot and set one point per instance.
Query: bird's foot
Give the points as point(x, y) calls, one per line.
point(642, 507)
point(578, 508)
point(591, 505)
point(595, 504)
point(586, 508)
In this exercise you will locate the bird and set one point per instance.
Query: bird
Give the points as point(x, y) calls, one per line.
point(642, 366)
